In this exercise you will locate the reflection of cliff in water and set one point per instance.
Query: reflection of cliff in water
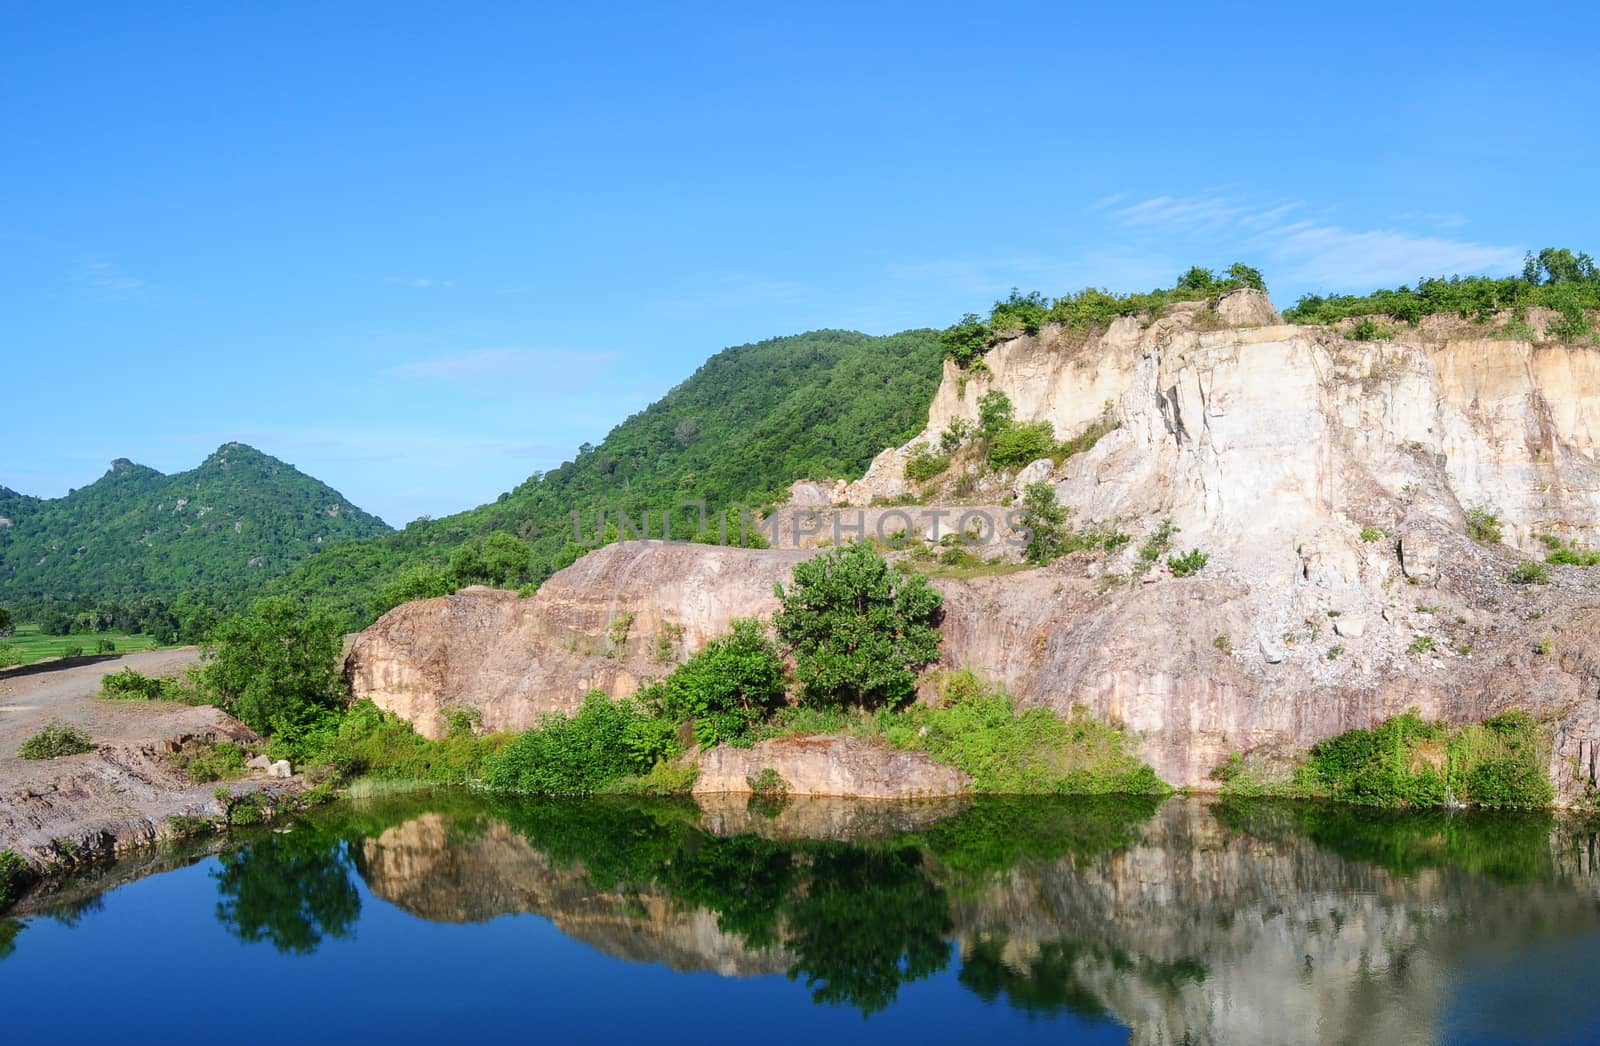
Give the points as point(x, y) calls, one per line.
point(1185, 921)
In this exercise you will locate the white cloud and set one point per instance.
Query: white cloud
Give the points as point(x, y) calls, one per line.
point(108, 276)
point(418, 282)
point(1320, 254)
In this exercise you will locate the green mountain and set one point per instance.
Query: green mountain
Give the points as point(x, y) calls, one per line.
point(226, 527)
point(750, 421)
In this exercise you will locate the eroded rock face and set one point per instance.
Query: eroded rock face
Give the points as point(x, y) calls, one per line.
point(1327, 480)
point(825, 764)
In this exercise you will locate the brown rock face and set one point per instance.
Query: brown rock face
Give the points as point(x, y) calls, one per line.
point(820, 764)
point(619, 615)
point(1327, 480)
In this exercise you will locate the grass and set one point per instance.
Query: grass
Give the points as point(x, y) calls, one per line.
point(57, 739)
point(1034, 752)
point(29, 645)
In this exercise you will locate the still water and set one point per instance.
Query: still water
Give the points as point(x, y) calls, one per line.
point(452, 917)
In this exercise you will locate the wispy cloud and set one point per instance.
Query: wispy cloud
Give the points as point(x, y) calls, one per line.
point(564, 368)
point(420, 283)
point(1318, 253)
point(109, 276)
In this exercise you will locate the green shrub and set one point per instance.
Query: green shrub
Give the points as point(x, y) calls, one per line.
point(1371, 534)
point(128, 685)
point(1528, 572)
point(367, 741)
point(1158, 542)
point(923, 463)
point(14, 874)
point(212, 762)
point(967, 340)
point(57, 739)
point(860, 631)
point(1484, 526)
point(575, 755)
point(995, 414)
point(1045, 523)
point(1189, 563)
point(1421, 645)
point(1017, 445)
point(1366, 329)
point(1407, 762)
point(726, 688)
point(768, 784)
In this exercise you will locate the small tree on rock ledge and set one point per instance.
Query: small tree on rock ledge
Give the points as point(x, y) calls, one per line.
point(860, 632)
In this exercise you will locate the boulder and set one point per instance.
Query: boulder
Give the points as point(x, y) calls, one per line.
point(1033, 472)
point(281, 769)
point(1247, 308)
point(827, 764)
point(260, 762)
point(1351, 626)
point(1419, 557)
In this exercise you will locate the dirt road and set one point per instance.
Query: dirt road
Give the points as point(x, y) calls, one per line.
point(119, 795)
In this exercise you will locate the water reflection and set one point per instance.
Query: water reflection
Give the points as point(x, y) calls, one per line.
point(1185, 921)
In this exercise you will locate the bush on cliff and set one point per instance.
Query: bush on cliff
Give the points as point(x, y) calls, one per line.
point(1407, 762)
point(859, 630)
point(726, 689)
point(57, 739)
point(1015, 753)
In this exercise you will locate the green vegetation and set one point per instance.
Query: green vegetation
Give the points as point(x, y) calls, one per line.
point(1188, 564)
point(971, 337)
point(125, 547)
point(1484, 526)
point(1045, 522)
point(978, 731)
point(1566, 555)
point(57, 739)
point(1499, 763)
point(924, 463)
point(1529, 572)
point(859, 630)
point(14, 874)
point(217, 761)
point(1371, 534)
point(749, 422)
point(1017, 445)
point(726, 689)
point(276, 668)
point(128, 685)
point(29, 643)
point(1555, 278)
point(1421, 645)
point(578, 755)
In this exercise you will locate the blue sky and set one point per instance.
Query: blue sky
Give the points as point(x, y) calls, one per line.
point(421, 250)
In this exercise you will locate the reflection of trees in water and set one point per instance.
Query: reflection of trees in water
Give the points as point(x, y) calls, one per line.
point(868, 922)
point(9, 928)
point(1048, 983)
point(291, 889)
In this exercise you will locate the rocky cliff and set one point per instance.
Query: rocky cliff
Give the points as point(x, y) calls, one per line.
point(1328, 480)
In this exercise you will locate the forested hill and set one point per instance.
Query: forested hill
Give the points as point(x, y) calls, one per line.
point(750, 421)
point(228, 526)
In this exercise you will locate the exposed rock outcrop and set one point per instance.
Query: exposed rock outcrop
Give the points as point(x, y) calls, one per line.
point(1327, 480)
point(824, 764)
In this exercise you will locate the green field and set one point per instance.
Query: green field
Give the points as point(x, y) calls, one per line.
point(31, 645)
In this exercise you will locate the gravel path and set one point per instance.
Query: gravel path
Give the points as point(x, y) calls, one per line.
point(33, 695)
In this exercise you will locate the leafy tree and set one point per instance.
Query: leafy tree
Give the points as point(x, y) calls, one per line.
point(1045, 521)
point(277, 667)
point(860, 631)
point(728, 687)
point(7, 623)
point(967, 340)
point(995, 414)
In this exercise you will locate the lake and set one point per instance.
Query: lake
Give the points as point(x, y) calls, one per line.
point(451, 916)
